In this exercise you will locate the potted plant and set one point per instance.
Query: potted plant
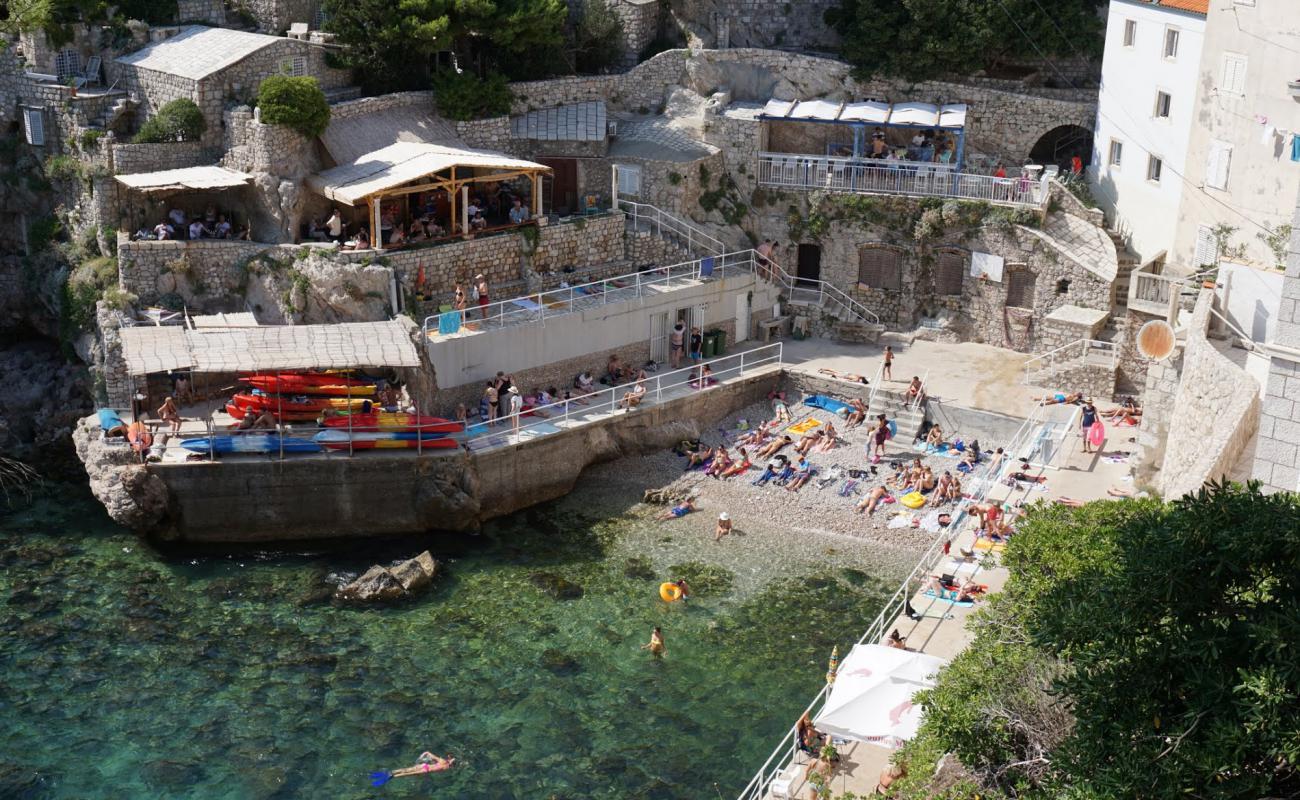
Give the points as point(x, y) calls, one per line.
point(72, 85)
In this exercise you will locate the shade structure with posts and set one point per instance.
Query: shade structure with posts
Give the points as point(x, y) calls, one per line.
point(871, 699)
point(406, 168)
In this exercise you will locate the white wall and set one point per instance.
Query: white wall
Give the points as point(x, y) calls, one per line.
point(1251, 297)
point(1262, 179)
point(1143, 211)
point(477, 357)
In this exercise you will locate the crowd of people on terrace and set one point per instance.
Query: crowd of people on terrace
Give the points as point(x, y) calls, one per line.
point(179, 224)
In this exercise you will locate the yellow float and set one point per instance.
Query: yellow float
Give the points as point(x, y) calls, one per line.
point(912, 499)
point(670, 592)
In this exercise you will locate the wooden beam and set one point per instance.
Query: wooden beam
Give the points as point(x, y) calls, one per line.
point(453, 184)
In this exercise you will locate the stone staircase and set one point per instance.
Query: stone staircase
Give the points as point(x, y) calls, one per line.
point(893, 404)
point(832, 319)
point(1127, 262)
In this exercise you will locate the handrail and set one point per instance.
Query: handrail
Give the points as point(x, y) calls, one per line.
point(920, 395)
point(563, 410)
point(791, 284)
point(1084, 345)
point(661, 219)
point(875, 385)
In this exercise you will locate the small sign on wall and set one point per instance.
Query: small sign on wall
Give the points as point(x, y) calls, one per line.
point(986, 266)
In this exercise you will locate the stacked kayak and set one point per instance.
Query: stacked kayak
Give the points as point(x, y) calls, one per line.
point(299, 403)
point(294, 383)
point(251, 443)
point(336, 439)
point(394, 421)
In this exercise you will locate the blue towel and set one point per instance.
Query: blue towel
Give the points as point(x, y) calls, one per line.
point(706, 266)
point(449, 322)
point(1295, 148)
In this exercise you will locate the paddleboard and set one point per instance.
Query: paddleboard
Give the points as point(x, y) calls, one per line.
point(287, 384)
point(251, 443)
point(394, 421)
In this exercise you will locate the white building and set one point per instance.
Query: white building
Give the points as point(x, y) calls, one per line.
point(1145, 117)
point(1243, 170)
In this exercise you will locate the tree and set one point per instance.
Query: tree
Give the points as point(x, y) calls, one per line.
point(597, 37)
point(926, 39)
point(1140, 649)
point(297, 103)
point(177, 121)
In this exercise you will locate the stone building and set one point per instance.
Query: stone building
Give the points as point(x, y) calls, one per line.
point(215, 67)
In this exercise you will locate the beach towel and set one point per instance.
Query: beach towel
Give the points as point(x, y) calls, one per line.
point(900, 520)
point(989, 546)
point(825, 403)
point(947, 598)
point(526, 304)
point(706, 267)
point(108, 420)
point(801, 428)
point(849, 488)
point(449, 322)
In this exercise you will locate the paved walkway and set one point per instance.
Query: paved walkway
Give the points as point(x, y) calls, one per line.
point(1083, 243)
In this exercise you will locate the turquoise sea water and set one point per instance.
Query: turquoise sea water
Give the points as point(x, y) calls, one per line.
point(126, 672)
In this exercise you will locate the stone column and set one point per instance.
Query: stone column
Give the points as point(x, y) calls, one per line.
point(1277, 462)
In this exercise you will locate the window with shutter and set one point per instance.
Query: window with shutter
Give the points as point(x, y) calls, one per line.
point(1207, 247)
point(1130, 32)
point(880, 268)
point(1233, 79)
point(67, 64)
point(1020, 288)
point(1171, 42)
point(35, 125)
point(1116, 152)
point(1154, 168)
point(1216, 165)
point(1163, 103)
point(949, 268)
point(629, 179)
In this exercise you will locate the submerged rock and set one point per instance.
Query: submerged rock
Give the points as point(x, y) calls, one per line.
point(559, 662)
point(386, 584)
point(638, 568)
point(556, 586)
point(704, 579)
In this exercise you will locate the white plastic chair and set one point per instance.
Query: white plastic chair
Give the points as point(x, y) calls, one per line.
point(783, 783)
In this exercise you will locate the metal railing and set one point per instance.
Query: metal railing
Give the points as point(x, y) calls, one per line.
point(600, 404)
point(915, 403)
point(1149, 292)
point(911, 178)
point(816, 291)
point(667, 226)
point(537, 308)
point(1080, 351)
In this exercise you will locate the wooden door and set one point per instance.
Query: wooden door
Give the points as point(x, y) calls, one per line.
point(563, 185)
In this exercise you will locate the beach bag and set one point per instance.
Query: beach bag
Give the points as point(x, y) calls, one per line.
point(473, 294)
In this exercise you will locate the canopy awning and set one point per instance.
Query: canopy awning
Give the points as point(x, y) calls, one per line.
point(149, 349)
point(871, 112)
point(871, 700)
point(404, 162)
point(209, 177)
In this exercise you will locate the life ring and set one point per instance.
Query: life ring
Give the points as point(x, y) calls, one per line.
point(912, 499)
point(670, 592)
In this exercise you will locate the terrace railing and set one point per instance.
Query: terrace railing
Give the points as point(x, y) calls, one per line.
point(908, 178)
point(1149, 291)
point(1080, 351)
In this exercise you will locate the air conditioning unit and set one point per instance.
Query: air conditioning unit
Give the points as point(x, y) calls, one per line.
point(611, 128)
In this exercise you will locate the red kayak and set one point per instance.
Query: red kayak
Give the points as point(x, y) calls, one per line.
point(394, 421)
point(289, 383)
point(303, 403)
point(237, 412)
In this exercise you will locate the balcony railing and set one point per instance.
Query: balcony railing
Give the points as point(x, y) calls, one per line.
point(908, 178)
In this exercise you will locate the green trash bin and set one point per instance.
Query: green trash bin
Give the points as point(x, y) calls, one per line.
point(709, 348)
point(721, 348)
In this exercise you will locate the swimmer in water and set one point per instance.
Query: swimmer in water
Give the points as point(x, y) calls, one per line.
point(656, 643)
point(427, 762)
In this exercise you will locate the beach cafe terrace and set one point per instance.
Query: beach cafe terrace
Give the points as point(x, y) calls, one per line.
point(409, 180)
point(870, 147)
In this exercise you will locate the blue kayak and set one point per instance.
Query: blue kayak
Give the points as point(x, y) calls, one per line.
point(251, 443)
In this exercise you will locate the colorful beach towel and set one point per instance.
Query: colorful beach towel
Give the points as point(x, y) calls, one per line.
point(803, 427)
point(825, 403)
point(947, 598)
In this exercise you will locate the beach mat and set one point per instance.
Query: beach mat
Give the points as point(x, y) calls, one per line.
point(825, 403)
point(930, 593)
point(800, 428)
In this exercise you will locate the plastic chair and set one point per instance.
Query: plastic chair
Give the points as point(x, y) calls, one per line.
point(88, 75)
point(783, 783)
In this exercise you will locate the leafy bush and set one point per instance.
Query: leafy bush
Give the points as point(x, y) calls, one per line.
point(597, 37)
point(178, 121)
point(89, 139)
point(297, 103)
point(63, 168)
point(464, 96)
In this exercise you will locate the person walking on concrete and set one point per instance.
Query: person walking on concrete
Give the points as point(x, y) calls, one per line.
point(677, 344)
point(1086, 419)
point(697, 345)
point(516, 408)
point(888, 372)
point(481, 292)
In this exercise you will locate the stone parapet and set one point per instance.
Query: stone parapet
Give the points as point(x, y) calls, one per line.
point(134, 158)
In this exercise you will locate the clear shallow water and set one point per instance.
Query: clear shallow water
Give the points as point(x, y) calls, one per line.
point(129, 673)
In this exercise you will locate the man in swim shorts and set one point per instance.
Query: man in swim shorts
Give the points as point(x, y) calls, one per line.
point(678, 511)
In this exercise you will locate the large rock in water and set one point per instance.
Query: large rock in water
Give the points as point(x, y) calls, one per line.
point(386, 584)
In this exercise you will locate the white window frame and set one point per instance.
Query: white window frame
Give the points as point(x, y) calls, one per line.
point(294, 66)
point(1217, 164)
point(1171, 30)
point(629, 179)
point(1237, 88)
point(1115, 154)
point(1130, 32)
point(1156, 165)
point(1206, 253)
point(35, 133)
point(1169, 105)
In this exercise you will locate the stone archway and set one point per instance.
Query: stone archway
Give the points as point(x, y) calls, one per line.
point(1062, 143)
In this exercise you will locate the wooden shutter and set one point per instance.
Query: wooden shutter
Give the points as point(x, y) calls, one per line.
point(1207, 248)
point(1216, 165)
point(35, 126)
point(948, 271)
point(878, 267)
point(1020, 288)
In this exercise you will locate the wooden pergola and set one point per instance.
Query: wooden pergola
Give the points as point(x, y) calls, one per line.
point(407, 168)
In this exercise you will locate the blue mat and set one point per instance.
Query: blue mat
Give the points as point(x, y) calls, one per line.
point(825, 403)
point(930, 593)
point(449, 322)
point(108, 419)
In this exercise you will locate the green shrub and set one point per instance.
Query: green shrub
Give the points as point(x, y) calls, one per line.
point(465, 96)
point(297, 103)
point(89, 139)
point(63, 168)
point(178, 121)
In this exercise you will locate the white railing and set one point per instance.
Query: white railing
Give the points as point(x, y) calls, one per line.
point(600, 404)
point(875, 385)
point(1149, 292)
point(667, 226)
point(788, 748)
point(819, 292)
point(917, 179)
point(537, 308)
point(1080, 351)
point(920, 394)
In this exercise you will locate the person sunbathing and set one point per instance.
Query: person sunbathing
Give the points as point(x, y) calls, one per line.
point(941, 489)
point(914, 390)
point(773, 447)
point(807, 442)
point(774, 467)
point(802, 473)
point(1025, 477)
point(852, 377)
point(873, 499)
point(927, 481)
point(759, 435)
point(739, 466)
point(1060, 398)
point(896, 640)
point(721, 462)
point(857, 413)
point(678, 511)
point(426, 763)
point(780, 409)
point(935, 437)
point(698, 457)
point(633, 398)
point(828, 441)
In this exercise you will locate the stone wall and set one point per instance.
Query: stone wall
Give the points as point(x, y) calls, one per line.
point(275, 16)
point(1094, 380)
point(279, 159)
point(1277, 454)
point(149, 269)
point(207, 11)
point(1213, 415)
point(760, 23)
point(640, 25)
point(133, 158)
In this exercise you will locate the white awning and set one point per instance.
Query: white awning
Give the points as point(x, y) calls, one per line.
point(404, 162)
point(777, 108)
point(238, 319)
point(210, 177)
point(351, 344)
point(871, 700)
point(914, 114)
point(821, 110)
point(866, 111)
point(953, 115)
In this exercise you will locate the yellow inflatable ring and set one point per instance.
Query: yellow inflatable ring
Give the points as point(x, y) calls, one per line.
point(912, 499)
point(670, 592)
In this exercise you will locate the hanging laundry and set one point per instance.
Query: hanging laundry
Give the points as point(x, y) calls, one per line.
point(1270, 133)
point(1295, 148)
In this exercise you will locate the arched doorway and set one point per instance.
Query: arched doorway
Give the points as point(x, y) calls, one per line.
point(1061, 144)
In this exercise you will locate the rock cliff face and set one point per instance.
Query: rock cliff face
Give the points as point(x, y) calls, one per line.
point(133, 497)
